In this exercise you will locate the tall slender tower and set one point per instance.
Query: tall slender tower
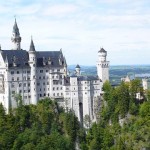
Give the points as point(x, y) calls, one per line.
point(102, 65)
point(16, 38)
point(32, 63)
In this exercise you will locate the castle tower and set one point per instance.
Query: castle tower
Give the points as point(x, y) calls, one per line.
point(77, 69)
point(32, 63)
point(102, 65)
point(16, 38)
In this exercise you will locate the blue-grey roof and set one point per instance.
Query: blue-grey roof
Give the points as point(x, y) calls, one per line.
point(54, 56)
point(87, 78)
point(15, 28)
point(32, 48)
point(102, 50)
point(77, 66)
point(21, 58)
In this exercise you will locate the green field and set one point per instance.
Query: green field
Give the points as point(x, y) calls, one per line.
point(117, 72)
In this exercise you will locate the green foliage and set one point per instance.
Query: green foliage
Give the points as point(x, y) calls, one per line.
point(121, 102)
point(42, 126)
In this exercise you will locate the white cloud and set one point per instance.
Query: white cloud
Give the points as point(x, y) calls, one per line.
point(60, 9)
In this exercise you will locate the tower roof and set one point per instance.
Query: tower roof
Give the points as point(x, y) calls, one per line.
point(77, 66)
point(102, 50)
point(32, 48)
point(15, 28)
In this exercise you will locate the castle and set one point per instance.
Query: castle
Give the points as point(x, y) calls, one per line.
point(37, 74)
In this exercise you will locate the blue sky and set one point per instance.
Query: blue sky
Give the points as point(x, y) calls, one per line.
point(81, 27)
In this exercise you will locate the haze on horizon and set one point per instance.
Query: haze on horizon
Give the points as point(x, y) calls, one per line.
point(80, 28)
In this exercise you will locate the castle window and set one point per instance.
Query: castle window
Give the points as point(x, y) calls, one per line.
point(58, 70)
point(43, 77)
point(44, 89)
point(57, 94)
point(40, 89)
point(48, 89)
point(13, 92)
point(53, 88)
point(38, 84)
point(44, 94)
point(61, 88)
point(57, 88)
point(24, 78)
point(48, 94)
point(17, 72)
point(41, 71)
point(25, 97)
point(20, 91)
point(28, 91)
point(12, 85)
point(46, 70)
point(28, 71)
point(40, 95)
point(17, 78)
point(12, 78)
point(28, 84)
point(85, 93)
point(12, 72)
point(24, 84)
point(28, 78)
point(39, 77)
point(52, 77)
point(53, 94)
point(60, 76)
point(47, 83)
point(20, 84)
point(43, 83)
point(61, 82)
point(61, 94)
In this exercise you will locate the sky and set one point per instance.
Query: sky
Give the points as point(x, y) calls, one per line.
point(81, 28)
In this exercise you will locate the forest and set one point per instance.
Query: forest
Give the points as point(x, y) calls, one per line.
point(123, 123)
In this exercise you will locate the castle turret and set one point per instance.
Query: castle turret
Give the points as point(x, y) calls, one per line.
point(16, 38)
point(77, 69)
point(65, 67)
point(102, 65)
point(32, 63)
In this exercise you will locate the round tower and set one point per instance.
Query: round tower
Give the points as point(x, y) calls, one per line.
point(16, 38)
point(102, 65)
point(32, 63)
point(77, 69)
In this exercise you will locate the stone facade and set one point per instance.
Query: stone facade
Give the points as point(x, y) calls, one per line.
point(37, 74)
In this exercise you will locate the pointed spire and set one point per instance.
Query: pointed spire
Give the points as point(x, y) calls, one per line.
point(32, 48)
point(15, 28)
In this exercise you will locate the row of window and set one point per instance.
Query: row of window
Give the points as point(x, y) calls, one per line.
point(57, 88)
point(17, 72)
point(28, 71)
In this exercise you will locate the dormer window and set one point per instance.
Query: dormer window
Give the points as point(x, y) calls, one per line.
point(49, 61)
